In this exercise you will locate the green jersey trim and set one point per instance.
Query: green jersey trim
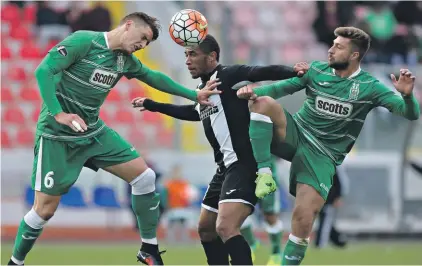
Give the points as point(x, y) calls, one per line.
point(76, 102)
point(50, 136)
point(338, 98)
point(84, 83)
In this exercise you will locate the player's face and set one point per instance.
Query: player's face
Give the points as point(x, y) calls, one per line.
point(196, 60)
point(136, 37)
point(341, 53)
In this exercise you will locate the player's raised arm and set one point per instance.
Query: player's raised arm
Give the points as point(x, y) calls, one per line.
point(182, 112)
point(162, 82)
point(405, 105)
point(58, 58)
point(271, 72)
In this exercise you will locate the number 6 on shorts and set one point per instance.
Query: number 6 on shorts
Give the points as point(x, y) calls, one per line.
point(54, 169)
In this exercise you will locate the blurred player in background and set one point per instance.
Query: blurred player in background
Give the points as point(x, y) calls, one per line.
point(327, 230)
point(70, 134)
point(230, 197)
point(318, 137)
point(270, 208)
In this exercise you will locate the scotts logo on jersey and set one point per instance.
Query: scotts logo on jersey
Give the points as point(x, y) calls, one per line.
point(333, 107)
point(103, 78)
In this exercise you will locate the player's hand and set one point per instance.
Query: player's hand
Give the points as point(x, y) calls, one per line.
point(247, 92)
point(405, 83)
point(71, 120)
point(139, 102)
point(209, 89)
point(301, 68)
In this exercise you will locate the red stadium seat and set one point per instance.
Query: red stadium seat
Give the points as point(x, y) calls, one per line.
point(6, 142)
point(151, 118)
point(114, 96)
point(136, 92)
point(16, 74)
point(125, 116)
point(30, 94)
point(25, 137)
point(30, 51)
point(13, 115)
point(29, 13)
point(49, 46)
point(10, 13)
point(6, 95)
point(20, 33)
point(6, 53)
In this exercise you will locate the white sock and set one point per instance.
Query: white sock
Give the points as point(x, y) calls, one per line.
point(152, 241)
point(265, 170)
point(18, 262)
point(275, 228)
point(299, 241)
point(34, 220)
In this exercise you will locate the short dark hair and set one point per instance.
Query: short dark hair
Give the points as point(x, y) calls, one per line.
point(359, 38)
point(209, 45)
point(152, 22)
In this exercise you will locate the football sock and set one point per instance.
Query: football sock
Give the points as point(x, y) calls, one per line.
point(29, 230)
point(261, 135)
point(147, 212)
point(295, 249)
point(275, 232)
point(248, 234)
point(216, 252)
point(239, 251)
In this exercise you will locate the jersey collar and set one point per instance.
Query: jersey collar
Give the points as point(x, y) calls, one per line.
point(106, 41)
point(353, 75)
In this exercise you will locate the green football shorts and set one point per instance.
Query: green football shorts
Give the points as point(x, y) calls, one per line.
point(57, 164)
point(308, 164)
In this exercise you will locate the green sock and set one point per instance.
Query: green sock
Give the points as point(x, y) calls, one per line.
point(275, 240)
point(275, 233)
point(294, 252)
point(261, 134)
point(27, 235)
point(147, 213)
point(247, 233)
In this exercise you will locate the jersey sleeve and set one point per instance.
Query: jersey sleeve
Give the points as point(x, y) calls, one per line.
point(182, 112)
point(59, 58)
point(261, 73)
point(406, 106)
point(157, 80)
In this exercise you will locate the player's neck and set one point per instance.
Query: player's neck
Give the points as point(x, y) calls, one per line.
point(113, 40)
point(348, 71)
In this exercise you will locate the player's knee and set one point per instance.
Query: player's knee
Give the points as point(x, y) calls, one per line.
point(207, 231)
point(263, 105)
point(226, 229)
point(45, 211)
point(303, 216)
point(144, 183)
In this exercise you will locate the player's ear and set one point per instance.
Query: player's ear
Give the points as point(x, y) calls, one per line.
point(212, 55)
point(355, 55)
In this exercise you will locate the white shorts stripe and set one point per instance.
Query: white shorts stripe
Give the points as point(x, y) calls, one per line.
point(39, 166)
point(211, 209)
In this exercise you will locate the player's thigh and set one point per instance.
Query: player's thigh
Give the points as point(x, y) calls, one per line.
point(313, 168)
point(116, 156)
point(239, 186)
point(285, 146)
point(207, 224)
point(56, 166)
point(212, 195)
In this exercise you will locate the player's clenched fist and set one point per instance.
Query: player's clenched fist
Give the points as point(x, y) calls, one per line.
point(139, 102)
point(301, 68)
point(71, 120)
point(247, 92)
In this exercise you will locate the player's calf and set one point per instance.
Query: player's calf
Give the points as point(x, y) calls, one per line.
point(230, 218)
point(32, 226)
point(267, 117)
point(307, 206)
point(211, 242)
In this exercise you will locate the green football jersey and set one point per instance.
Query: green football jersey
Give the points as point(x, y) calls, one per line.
point(77, 75)
point(335, 108)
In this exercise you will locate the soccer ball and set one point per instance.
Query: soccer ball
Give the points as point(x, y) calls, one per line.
point(188, 27)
